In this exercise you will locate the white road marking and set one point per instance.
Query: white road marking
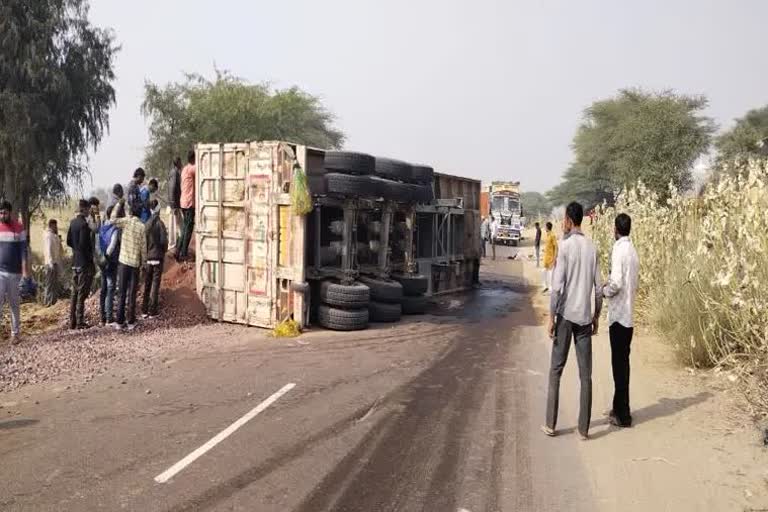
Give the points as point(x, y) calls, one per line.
point(189, 459)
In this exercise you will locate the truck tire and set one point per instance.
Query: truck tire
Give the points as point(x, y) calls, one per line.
point(412, 285)
point(348, 162)
point(422, 194)
point(422, 174)
point(393, 169)
point(329, 256)
point(349, 185)
point(383, 312)
point(398, 192)
point(316, 185)
point(382, 290)
point(353, 296)
point(342, 319)
point(415, 305)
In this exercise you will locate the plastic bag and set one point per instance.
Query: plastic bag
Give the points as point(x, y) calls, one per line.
point(300, 196)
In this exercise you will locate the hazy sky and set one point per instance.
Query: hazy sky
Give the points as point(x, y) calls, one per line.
point(489, 89)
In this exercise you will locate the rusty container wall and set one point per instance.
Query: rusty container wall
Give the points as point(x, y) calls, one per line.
point(452, 187)
point(485, 206)
point(249, 243)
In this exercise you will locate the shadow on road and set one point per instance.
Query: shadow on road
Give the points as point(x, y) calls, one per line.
point(665, 407)
point(11, 424)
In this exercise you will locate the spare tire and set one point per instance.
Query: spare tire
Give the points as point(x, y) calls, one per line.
point(353, 296)
point(412, 285)
point(316, 185)
point(422, 194)
point(384, 290)
point(393, 169)
point(422, 174)
point(349, 162)
point(398, 192)
point(351, 186)
point(415, 305)
point(383, 312)
point(342, 319)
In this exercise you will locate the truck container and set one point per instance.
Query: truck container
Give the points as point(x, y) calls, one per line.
point(258, 263)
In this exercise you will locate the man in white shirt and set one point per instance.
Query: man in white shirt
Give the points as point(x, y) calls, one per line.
point(494, 233)
point(572, 320)
point(52, 259)
point(621, 289)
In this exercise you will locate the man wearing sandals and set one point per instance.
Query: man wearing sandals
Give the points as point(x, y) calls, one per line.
point(575, 280)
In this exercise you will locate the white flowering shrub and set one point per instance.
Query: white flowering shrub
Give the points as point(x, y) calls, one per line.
point(704, 270)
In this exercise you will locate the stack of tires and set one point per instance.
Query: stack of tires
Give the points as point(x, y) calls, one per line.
point(344, 174)
point(344, 307)
point(349, 174)
point(386, 299)
point(402, 182)
point(414, 302)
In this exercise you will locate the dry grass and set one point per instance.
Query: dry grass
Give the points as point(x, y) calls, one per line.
point(704, 273)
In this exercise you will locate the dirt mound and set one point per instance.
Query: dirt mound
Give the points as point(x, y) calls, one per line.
point(177, 275)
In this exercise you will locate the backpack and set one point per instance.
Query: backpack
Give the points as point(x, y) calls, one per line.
point(105, 236)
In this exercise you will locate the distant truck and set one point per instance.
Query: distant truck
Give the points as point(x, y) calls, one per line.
point(502, 201)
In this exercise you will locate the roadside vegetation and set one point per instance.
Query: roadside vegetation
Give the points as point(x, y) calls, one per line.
point(703, 274)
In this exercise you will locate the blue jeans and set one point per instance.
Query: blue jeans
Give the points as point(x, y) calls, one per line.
point(107, 299)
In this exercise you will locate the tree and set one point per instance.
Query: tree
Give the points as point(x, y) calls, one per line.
point(229, 109)
point(580, 185)
point(637, 136)
point(741, 141)
point(55, 94)
point(535, 204)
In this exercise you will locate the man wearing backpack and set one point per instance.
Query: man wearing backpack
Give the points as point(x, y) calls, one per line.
point(157, 246)
point(107, 254)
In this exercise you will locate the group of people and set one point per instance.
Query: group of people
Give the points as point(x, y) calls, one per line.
point(577, 293)
point(489, 230)
point(127, 244)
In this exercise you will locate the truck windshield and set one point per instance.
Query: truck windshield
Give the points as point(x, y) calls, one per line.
point(503, 203)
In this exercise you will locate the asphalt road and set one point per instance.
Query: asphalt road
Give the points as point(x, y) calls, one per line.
point(436, 413)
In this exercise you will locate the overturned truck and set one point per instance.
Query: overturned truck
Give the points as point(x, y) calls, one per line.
point(383, 235)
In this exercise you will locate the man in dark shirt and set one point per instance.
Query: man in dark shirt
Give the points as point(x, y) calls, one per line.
point(80, 239)
point(174, 202)
point(537, 244)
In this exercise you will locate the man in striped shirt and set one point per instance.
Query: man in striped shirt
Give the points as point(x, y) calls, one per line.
point(133, 252)
point(13, 264)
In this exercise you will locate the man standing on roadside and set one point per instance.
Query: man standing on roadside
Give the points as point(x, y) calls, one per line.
point(576, 277)
point(485, 230)
point(621, 289)
point(13, 265)
point(187, 203)
point(494, 233)
point(550, 255)
point(81, 240)
point(133, 194)
point(146, 195)
point(157, 246)
point(174, 202)
point(108, 252)
point(133, 252)
point(52, 261)
point(537, 244)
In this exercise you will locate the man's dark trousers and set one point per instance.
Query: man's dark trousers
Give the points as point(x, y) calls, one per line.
point(152, 277)
point(82, 278)
point(128, 285)
point(621, 339)
point(582, 338)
